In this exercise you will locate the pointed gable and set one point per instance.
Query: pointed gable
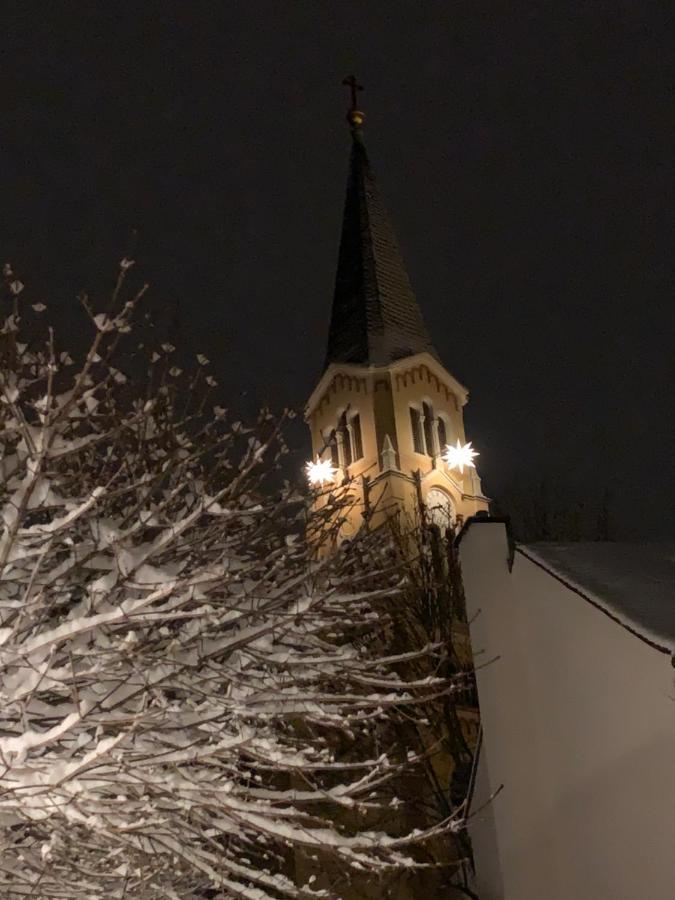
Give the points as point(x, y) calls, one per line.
point(375, 318)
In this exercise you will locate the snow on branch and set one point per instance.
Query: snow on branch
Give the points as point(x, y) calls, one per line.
point(184, 682)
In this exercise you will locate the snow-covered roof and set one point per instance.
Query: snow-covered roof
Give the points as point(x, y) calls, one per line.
point(634, 582)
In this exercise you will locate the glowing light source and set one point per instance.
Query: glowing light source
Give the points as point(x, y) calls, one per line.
point(459, 456)
point(320, 472)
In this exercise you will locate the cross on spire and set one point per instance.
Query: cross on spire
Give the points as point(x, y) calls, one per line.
point(354, 116)
point(354, 86)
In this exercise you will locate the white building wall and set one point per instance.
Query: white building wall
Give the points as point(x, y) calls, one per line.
point(579, 726)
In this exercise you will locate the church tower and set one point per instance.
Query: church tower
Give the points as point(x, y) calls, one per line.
point(385, 410)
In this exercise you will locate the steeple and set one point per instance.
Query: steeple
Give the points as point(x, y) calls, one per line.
point(375, 318)
point(386, 416)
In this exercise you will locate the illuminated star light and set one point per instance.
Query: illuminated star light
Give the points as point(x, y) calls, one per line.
point(458, 457)
point(320, 472)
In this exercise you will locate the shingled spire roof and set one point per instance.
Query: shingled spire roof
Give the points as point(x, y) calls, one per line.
point(376, 318)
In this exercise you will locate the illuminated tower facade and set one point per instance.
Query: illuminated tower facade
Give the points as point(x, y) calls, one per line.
point(385, 408)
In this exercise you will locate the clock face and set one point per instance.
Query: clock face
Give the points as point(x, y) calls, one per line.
point(441, 509)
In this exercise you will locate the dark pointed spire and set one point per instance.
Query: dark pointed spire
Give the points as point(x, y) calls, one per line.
point(375, 318)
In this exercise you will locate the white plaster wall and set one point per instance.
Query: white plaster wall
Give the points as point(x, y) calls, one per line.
point(579, 726)
point(488, 880)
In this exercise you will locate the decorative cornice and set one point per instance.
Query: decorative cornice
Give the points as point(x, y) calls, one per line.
point(399, 367)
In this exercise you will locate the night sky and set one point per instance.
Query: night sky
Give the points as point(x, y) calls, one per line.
point(524, 152)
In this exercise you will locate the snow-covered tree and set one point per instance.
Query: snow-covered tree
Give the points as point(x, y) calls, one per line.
point(190, 695)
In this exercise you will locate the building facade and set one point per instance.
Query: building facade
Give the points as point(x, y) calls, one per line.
point(577, 700)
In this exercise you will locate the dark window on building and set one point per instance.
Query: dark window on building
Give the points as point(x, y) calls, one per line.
point(335, 459)
point(344, 440)
point(442, 434)
point(416, 426)
point(428, 428)
point(356, 439)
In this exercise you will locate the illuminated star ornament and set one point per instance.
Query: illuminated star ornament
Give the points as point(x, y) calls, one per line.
point(460, 456)
point(320, 472)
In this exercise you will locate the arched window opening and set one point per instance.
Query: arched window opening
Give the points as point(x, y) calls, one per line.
point(347, 443)
point(430, 431)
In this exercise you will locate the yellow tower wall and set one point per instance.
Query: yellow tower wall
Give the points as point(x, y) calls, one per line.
point(382, 396)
